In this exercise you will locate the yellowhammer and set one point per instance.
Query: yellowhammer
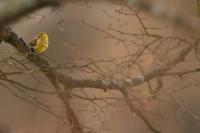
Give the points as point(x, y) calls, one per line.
point(40, 43)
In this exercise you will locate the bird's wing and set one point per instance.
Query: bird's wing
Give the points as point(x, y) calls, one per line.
point(33, 42)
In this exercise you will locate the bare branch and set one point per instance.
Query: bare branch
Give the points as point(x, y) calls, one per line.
point(10, 37)
point(10, 10)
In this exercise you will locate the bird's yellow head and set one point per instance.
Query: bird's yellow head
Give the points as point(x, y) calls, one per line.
point(43, 36)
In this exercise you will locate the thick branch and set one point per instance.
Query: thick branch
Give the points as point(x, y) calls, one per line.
point(139, 114)
point(129, 82)
point(56, 78)
point(7, 35)
point(10, 10)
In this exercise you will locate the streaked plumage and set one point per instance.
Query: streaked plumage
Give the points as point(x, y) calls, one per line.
point(40, 43)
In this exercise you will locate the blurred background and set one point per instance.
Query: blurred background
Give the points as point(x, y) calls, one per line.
point(80, 32)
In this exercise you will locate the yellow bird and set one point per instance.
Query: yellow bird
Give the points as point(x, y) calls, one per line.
point(40, 43)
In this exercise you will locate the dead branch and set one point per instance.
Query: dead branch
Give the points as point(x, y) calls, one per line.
point(56, 78)
point(10, 37)
point(11, 10)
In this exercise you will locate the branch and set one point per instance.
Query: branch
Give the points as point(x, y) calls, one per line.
point(129, 82)
point(56, 78)
point(11, 10)
point(7, 35)
point(181, 73)
point(136, 111)
point(23, 7)
point(160, 11)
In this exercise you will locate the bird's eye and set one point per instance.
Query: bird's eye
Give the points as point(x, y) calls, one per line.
point(41, 34)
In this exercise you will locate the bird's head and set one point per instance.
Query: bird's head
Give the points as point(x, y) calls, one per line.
point(43, 36)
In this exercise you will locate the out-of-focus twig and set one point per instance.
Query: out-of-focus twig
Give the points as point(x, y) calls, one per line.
point(10, 10)
point(57, 79)
point(136, 111)
point(162, 12)
point(7, 35)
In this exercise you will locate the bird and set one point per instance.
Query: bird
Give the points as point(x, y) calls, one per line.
point(39, 43)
